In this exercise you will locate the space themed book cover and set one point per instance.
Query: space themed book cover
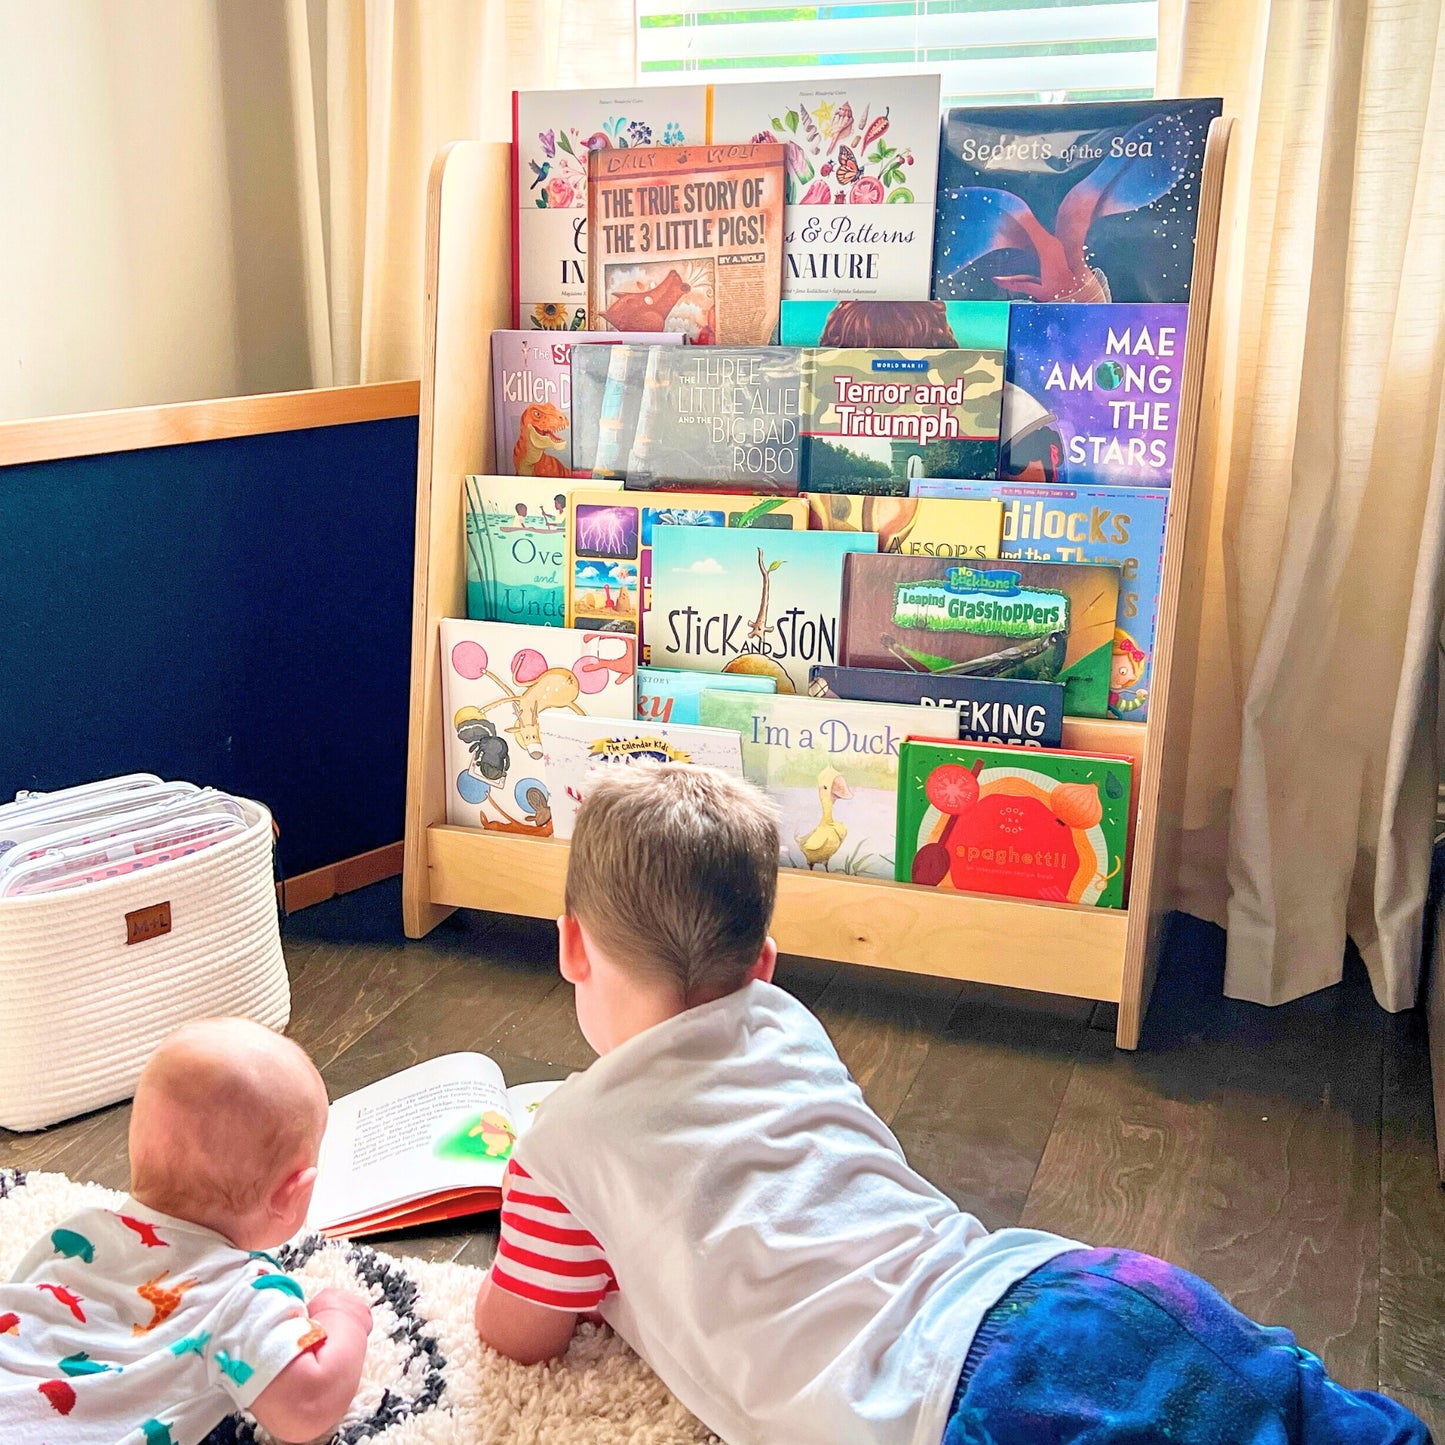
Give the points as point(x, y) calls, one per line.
point(1091, 394)
point(1122, 525)
point(1041, 621)
point(1027, 823)
point(498, 679)
point(688, 239)
point(1087, 201)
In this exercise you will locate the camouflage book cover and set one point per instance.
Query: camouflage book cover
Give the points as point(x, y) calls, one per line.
point(1041, 621)
point(873, 419)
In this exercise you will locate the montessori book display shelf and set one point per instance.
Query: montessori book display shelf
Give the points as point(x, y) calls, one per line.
point(1099, 953)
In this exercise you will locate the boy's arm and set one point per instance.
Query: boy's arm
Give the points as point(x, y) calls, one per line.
point(310, 1396)
point(526, 1332)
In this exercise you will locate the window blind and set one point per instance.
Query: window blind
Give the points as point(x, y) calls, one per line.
point(986, 50)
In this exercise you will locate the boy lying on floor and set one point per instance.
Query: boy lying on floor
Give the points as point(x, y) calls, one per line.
point(715, 1186)
point(150, 1323)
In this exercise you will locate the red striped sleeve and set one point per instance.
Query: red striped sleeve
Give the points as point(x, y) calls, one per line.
point(543, 1254)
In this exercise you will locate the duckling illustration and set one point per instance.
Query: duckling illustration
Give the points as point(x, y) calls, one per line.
point(825, 840)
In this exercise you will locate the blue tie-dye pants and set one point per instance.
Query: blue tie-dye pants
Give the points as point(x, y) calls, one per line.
point(1104, 1345)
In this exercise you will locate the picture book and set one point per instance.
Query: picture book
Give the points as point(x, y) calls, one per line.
point(1085, 201)
point(990, 709)
point(553, 132)
point(1091, 394)
point(1122, 525)
point(607, 386)
point(427, 1144)
point(575, 749)
point(1040, 621)
point(936, 325)
point(609, 547)
point(831, 769)
point(719, 415)
point(861, 170)
point(516, 549)
point(874, 419)
point(1026, 823)
point(532, 398)
point(930, 527)
point(498, 678)
point(686, 238)
point(668, 694)
point(761, 603)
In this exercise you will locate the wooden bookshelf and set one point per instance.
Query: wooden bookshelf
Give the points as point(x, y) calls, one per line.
point(1108, 954)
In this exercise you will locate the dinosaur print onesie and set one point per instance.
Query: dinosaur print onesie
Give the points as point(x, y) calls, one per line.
point(127, 1327)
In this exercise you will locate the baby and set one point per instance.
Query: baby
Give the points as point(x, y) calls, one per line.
point(716, 1186)
point(148, 1324)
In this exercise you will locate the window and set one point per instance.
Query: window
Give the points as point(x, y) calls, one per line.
point(986, 50)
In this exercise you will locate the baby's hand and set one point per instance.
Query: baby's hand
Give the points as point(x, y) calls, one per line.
point(341, 1301)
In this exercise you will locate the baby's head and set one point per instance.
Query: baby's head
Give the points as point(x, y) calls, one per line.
point(226, 1130)
point(670, 889)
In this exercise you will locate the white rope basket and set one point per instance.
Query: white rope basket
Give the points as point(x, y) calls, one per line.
point(90, 984)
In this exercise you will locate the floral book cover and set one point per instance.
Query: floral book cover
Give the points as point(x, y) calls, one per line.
point(861, 169)
point(1021, 822)
point(576, 749)
point(498, 680)
point(1091, 394)
point(942, 325)
point(553, 132)
point(1122, 525)
point(719, 416)
point(873, 419)
point(1086, 201)
point(831, 769)
point(609, 547)
point(1041, 621)
point(757, 603)
point(686, 238)
point(532, 399)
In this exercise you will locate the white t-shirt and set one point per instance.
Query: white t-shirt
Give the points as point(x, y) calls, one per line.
point(718, 1188)
point(127, 1327)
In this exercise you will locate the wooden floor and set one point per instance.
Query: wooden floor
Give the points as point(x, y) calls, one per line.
point(1285, 1154)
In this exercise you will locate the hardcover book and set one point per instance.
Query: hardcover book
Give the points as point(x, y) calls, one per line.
point(516, 550)
point(532, 399)
point(1122, 525)
point(609, 547)
point(668, 694)
point(936, 325)
point(831, 769)
point(759, 603)
point(607, 384)
point(553, 132)
point(686, 238)
point(576, 749)
point(990, 710)
point(1026, 823)
point(498, 678)
point(722, 416)
point(1091, 394)
point(929, 527)
point(861, 170)
point(1090, 201)
point(874, 419)
point(1040, 621)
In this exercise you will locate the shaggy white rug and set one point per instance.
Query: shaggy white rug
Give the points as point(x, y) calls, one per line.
point(428, 1380)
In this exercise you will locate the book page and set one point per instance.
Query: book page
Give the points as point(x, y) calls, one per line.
point(443, 1125)
point(525, 1099)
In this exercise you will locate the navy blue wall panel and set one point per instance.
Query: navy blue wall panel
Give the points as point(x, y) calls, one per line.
point(231, 612)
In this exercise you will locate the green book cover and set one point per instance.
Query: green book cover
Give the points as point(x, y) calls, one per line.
point(1025, 822)
point(516, 531)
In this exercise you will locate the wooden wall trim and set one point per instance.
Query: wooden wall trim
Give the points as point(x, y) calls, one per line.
point(346, 876)
point(92, 433)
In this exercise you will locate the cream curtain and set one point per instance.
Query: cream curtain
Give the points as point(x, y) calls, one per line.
point(1313, 766)
point(377, 87)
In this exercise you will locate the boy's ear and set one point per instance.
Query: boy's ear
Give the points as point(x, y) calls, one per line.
point(291, 1190)
point(767, 962)
point(572, 958)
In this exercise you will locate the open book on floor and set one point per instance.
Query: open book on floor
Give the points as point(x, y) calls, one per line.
point(427, 1144)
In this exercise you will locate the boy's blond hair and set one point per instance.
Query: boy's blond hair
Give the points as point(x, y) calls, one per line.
point(674, 870)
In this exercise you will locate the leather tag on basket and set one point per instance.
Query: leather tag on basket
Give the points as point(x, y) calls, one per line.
point(148, 923)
